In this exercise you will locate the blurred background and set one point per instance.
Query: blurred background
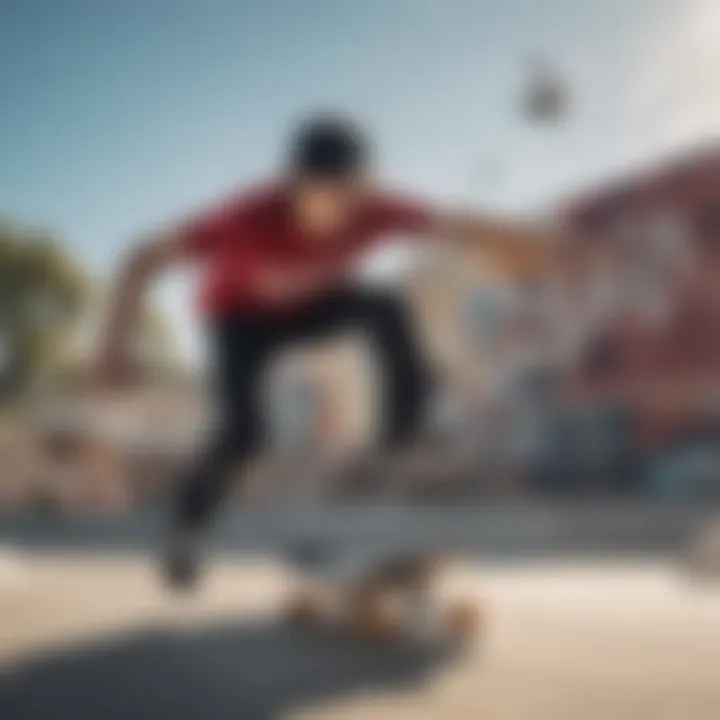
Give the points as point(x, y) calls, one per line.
point(582, 400)
point(597, 375)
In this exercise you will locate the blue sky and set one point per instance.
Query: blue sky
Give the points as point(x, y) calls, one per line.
point(119, 114)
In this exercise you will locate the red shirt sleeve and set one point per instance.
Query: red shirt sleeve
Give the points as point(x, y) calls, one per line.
point(203, 234)
point(397, 214)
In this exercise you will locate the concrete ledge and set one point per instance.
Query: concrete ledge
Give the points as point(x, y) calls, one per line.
point(552, 528)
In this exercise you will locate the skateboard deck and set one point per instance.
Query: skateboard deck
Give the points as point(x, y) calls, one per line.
point(375, 593)
point(363, 577)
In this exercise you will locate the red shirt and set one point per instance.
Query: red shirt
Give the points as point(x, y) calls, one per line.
point(257, 258)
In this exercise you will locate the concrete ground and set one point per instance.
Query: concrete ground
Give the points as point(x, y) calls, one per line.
point(90, 636)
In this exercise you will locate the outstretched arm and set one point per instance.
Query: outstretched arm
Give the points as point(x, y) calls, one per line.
point(152, 255)
point(142, 264)
point(515, 246)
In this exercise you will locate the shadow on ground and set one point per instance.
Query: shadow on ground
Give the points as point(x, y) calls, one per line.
point(241, 671)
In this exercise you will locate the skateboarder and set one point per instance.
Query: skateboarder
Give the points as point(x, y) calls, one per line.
point(276, 261)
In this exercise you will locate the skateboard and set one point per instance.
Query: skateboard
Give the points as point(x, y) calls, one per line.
point(375, 595)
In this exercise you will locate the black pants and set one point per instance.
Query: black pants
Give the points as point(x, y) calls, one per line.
point(242, 346)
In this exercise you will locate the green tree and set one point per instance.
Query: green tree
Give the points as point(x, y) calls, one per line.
point(43, 291)
point(46, 296)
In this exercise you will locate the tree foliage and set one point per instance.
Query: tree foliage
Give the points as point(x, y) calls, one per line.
point(43, 290)
point(45, 296)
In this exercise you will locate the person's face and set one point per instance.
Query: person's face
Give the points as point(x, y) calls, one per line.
point(323, 208)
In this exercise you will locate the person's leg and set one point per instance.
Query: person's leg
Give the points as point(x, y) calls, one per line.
point(240, 350)
point(405, 376)
point(403, 363)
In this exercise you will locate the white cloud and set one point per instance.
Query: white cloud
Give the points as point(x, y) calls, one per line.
point(677, 85)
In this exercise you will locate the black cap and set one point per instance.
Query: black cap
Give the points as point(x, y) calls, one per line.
point(329, 147)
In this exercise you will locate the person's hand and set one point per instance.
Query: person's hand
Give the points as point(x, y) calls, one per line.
point(111, 370)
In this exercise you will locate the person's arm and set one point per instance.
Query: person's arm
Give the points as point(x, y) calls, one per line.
point(513, 245)
point(142, 264)
point(196, 238)
point(516, 246)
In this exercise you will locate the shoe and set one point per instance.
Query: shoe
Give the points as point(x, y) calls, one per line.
point(182, 562)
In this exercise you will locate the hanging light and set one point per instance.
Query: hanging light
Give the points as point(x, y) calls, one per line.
point(545, 99)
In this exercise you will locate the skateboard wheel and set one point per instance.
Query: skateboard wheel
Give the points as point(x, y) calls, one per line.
point(301, 611)
point(464, 619)
point(374, 621)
